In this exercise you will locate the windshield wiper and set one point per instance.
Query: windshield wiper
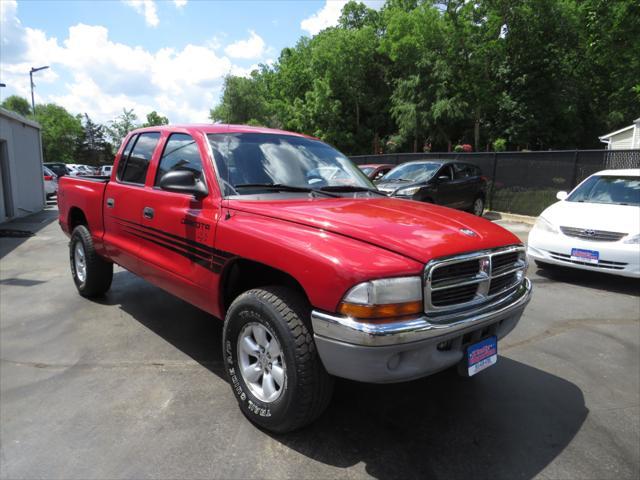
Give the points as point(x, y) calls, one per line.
point(350, 188)
point(281, 187)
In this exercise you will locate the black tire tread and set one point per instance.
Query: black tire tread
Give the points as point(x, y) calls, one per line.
point(314, 383)
point(99, 270)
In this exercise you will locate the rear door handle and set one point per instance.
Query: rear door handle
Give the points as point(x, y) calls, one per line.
point(110, 202)
point(147, 212)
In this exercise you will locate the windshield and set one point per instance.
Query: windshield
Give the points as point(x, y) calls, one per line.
point(252, 159)
point(611, 189)
point(366, 170)
point(411, 172)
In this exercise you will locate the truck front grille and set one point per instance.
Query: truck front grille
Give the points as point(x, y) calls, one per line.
point(473, 278)
point(595, 235)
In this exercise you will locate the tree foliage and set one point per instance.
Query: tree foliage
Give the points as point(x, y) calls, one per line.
point(18, 105)
point(60, 132)
point(155, 119)
point(92, 147)
point(419, 74)
point(118, 128)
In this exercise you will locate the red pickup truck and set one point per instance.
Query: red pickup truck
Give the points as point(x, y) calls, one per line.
point(315, 273)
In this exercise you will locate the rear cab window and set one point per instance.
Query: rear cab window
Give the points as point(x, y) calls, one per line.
point(135, 161)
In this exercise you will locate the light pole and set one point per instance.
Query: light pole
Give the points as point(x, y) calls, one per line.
point(31, 72)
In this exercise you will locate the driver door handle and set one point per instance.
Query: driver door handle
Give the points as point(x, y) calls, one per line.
point(147, 212)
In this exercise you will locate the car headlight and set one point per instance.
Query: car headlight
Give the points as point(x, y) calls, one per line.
point(635, 239)
point(407, 191)
point(383, 299)
point(545, 225)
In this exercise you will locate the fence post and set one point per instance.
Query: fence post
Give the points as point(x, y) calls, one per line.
point(575, 171)
point(493, 179)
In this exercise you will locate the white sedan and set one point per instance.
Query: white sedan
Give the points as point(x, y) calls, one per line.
point(595, 227)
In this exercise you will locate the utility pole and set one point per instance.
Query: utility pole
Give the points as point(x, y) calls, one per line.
point(31, 72)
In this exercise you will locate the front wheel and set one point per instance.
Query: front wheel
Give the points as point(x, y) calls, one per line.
point(271, 360)
point(478, 206)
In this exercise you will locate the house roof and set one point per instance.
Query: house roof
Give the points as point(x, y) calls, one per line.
point(19, 118)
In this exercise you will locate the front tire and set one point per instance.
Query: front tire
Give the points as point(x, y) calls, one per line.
point(271, 360)
point(478, 206)
point(91, 273)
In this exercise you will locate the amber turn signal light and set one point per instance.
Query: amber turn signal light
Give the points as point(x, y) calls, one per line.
point(380, 311)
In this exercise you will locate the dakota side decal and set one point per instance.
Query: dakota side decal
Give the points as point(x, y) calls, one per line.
point(200, 253)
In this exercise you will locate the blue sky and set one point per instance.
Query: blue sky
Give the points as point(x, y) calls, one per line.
point(164, 55)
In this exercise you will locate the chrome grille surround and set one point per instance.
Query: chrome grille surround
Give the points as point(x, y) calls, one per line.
point(591, 234)
point(482, 278)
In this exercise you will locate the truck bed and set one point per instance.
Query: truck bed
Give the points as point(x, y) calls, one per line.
point(82, 197)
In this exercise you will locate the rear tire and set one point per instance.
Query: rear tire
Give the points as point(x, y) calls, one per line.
point(91, 273)
point(271, 360)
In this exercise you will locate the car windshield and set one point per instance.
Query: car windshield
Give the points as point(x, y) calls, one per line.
point(617, 190)
point(246, 161)
point(366, 170)
point(411, 172)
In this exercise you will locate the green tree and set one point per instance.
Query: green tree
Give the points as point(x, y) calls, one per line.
point(154, 119)
point(60, 132)
point(18, 105)
point(92, 147)
point(118, 128)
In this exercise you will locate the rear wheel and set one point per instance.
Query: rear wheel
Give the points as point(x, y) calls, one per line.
point(91, 273)
point(271, 360)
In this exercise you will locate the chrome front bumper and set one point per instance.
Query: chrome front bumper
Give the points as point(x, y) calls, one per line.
point(408, 349)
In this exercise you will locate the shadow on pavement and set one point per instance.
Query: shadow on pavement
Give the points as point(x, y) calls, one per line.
point(508, 422)
point(588, 279)
point(31, 223)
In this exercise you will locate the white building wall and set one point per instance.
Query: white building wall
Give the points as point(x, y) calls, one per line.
point(622, 141)
point(21, 178)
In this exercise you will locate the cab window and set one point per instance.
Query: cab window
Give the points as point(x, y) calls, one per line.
point(135, 170)
point(180, 153)
point(125, 155)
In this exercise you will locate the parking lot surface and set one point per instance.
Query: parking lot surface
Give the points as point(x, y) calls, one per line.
point(132, 386)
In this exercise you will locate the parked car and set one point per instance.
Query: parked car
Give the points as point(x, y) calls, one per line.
point(595, 227)
point(375, 171)
point(443, 182)
point(50, 182)
point(75, 170)
point(60, 169)
point(105, 170)
point(313, 277)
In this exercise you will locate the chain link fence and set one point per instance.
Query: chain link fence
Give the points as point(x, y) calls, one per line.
point(525, 182)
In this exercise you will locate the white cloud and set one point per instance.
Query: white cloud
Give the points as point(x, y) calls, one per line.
point(252, 47)
point(146, 8)
point(179, 3)
point(92, 73)
point(329, 14)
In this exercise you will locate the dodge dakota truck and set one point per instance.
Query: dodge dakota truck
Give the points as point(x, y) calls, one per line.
point(315, 273)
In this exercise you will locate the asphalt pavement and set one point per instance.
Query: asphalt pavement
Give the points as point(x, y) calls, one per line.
point(132, 386)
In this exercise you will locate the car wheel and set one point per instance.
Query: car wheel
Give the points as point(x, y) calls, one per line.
point(271, 360)
point(91, 273)
point(478, 206)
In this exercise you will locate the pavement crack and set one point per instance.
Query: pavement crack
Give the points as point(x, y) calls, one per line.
point(115, 366)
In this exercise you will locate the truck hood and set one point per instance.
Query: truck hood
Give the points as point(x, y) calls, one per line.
point(416, 230)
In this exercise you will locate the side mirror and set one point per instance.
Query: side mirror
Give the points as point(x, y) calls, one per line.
point(183, 181)
point(443, 178)
point(561, 195)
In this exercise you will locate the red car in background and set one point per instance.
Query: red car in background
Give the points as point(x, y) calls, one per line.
point(375, 171)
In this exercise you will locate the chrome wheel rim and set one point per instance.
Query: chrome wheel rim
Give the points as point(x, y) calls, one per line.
point(261, 362)
point(477, 206)
point(80, 261)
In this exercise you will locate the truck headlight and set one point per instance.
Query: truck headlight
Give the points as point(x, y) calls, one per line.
point(407, 191)
point(634, 239)
point(383, 299)
point(545, 225)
